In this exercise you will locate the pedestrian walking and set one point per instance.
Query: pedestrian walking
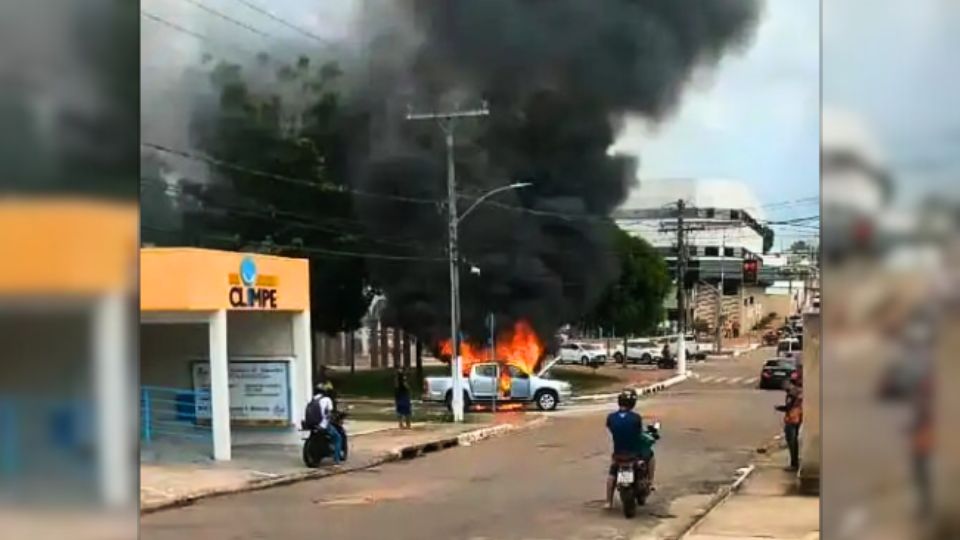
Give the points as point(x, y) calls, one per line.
point(401, 399)
point(792, 410)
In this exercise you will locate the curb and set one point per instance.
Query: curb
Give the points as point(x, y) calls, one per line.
point(750, 348)
point(644, 391)
point(397, 454)
point(718, 499)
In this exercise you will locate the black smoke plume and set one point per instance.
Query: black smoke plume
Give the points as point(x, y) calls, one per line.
point(559, 77)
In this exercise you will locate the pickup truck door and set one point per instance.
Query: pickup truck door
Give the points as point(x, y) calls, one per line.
point(519, 384)
point(483, 381)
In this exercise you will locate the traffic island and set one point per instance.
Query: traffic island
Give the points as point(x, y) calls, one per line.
point(175, 485)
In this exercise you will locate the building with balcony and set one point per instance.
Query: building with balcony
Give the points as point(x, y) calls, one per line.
point(723, 220)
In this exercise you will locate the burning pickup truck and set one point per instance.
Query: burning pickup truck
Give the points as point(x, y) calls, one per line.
point(499, 383)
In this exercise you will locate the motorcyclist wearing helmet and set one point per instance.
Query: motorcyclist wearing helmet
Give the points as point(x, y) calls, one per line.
point(326, 411)
point(626, 429)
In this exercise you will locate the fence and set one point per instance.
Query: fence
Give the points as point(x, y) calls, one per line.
point(48, 447)
point(171, 414)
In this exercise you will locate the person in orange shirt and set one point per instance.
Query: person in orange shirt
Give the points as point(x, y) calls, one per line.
point(922, 439)
point(792, 410)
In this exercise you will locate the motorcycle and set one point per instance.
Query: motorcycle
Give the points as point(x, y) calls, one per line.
point(633, 478)
point(317, 444)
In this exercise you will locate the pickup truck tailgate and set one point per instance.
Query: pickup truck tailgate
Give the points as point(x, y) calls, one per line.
point(435, 388)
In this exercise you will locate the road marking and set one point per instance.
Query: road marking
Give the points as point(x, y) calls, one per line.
point(720, 380)
point(752, 380)
point(707, 379)
point(735, 380)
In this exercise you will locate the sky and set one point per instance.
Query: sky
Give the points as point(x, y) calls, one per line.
point(896, 70)
point(754, 118)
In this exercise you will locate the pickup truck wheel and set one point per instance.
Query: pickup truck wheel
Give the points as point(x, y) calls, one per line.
point(547, 400)
point(584, 361)
point(449, 401)
point(618, 358)
point(645, 359)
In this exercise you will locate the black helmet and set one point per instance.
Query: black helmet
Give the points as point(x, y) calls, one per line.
point(627, 399)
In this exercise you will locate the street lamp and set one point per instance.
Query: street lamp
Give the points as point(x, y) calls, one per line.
point(456, 368)
point(491, 193)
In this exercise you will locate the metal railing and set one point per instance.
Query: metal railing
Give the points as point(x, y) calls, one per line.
point(172, 413)
point(42, 436)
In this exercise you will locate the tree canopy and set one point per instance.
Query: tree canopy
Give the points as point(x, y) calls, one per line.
point(277, 162)
point(634, 303)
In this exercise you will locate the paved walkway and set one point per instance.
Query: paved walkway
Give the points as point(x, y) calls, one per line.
point(765, 506)
point(163, 484)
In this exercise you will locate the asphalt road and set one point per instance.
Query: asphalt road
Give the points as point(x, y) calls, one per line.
point(547, 482)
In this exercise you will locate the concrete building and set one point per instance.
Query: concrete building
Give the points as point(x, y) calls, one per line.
point(725, 230)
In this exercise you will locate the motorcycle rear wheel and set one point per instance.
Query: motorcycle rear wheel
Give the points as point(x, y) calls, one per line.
point(313, 451)
point(629, 501)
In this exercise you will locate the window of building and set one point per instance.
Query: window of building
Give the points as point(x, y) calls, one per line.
point(711, 212)
point(728, 252)
point(711, 251)
point(734, 214)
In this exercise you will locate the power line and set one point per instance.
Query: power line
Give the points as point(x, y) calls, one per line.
point(204, 38)
point(228, 18)
point(340, 189)
point(302, 182)
point(275, 215)
point(174, 26)
point(305, 248)
point(286, 23)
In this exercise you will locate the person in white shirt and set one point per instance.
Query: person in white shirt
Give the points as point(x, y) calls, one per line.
point(326, 411)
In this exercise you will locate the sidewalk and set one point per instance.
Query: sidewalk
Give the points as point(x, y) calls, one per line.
point(765, 506)
point(258, 466)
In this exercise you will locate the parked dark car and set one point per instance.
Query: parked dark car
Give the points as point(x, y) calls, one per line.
point(777, 371)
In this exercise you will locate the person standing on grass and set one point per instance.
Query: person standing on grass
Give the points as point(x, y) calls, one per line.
point(401, 398)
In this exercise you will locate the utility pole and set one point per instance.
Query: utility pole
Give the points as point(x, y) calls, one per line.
point(681, 290)
point(723, 260)
point(447, 122)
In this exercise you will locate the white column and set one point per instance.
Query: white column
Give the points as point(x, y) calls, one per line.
point(301, 372)
point(113, 401)
point(682, 355)
point(220, 387)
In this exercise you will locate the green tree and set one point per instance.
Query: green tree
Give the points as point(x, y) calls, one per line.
point(278, 167)
point(634, 303)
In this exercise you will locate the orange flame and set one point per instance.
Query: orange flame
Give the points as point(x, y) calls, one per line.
point(518, 346)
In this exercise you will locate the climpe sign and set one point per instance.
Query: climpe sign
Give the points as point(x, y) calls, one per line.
point(251, 290)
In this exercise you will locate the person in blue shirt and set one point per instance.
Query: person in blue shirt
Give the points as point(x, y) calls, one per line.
point(626, 429)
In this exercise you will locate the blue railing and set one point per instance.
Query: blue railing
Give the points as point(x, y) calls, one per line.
point(174, 413)
point(39, 433)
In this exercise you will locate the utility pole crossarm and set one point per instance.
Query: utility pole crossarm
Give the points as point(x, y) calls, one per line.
point(470, 113)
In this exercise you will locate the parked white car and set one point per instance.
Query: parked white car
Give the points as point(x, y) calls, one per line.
point(584, 354)
point(482, 385)
point(643, 351)
point(694, 349)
